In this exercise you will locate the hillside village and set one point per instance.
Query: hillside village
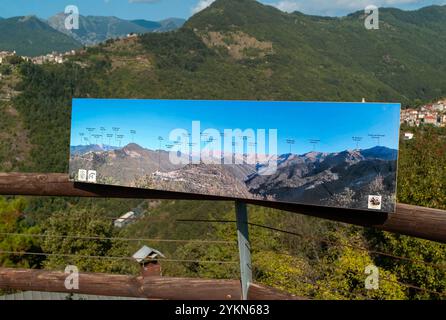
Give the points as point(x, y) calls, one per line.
point(433, 114)
point(53, 57)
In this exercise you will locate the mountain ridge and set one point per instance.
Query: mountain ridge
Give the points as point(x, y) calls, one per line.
point(96, 29)
point(29, 35)
point(32, 36)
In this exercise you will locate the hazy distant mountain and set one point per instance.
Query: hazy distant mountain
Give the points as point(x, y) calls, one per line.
point(95, 29)
point(80, 150)
point(32, 36)
point(149, 25)
point(161, 26)
point(170, 24)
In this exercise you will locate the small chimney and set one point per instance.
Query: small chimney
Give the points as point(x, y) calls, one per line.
point(147, 258)
point(151, 269)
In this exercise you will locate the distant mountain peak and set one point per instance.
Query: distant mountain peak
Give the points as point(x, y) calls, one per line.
point(133, 147)
point(95, 29)
point(380, 152)
point(314, 154)
point(31, 36)
point(27, 18)
point(227, 14)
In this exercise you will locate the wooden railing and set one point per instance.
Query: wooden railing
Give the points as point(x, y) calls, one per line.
point(407, 220)
point(165, 288)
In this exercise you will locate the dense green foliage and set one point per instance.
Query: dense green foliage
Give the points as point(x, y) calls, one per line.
point(70, 224)
point(179, 50)
point(337, 58)
point(13, 221)
point(45, 104)
point(424, 156)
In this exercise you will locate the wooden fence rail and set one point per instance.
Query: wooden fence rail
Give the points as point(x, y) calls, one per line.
point(407, 220)
point(165, 288)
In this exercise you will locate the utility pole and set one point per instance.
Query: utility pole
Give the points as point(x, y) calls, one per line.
point(244, 247)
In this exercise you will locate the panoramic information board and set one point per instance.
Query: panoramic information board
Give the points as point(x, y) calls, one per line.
point(316, 153)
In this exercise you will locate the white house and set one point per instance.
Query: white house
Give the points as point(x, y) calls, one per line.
point(408, 136)
point(124, 220)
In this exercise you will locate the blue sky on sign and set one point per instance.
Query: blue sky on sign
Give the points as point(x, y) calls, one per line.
point(334, 124)
point(160, 9)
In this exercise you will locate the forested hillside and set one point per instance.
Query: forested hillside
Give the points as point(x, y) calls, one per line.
point(240, 49)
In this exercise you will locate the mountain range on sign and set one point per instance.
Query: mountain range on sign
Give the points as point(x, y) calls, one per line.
point(341, 179)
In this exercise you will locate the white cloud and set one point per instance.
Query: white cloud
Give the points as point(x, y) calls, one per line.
point(337, 7)
point(201, 5)
point(288, 5)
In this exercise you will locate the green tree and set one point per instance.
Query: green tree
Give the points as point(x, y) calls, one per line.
point(86, 238)
point(343, 275)
point(16, 236)
point(5, 69)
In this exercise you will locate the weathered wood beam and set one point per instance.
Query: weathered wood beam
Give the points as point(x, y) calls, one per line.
point(407, 220)
point(258, 292)
point(164, 288)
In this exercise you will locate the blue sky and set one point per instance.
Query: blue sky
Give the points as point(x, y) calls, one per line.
point(159, 9)
point(334, 124)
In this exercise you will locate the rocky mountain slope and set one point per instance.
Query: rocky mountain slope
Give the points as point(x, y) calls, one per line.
point(317, 178)
point(338, 179)
point(121, 165)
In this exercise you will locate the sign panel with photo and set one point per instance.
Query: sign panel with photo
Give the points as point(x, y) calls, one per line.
point(316, 153)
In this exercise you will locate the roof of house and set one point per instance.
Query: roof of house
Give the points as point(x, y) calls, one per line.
point(146, 252)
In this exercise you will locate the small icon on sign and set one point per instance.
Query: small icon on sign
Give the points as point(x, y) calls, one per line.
point(82, 175)
point(92, 176)
point(375, 202)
